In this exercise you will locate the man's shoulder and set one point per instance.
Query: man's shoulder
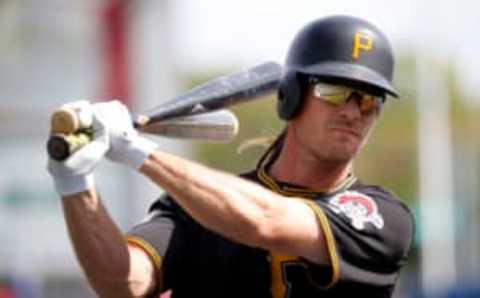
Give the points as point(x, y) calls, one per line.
point(378, 193)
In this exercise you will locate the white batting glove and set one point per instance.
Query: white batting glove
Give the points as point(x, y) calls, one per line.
point(126, 145)
point(75, 174)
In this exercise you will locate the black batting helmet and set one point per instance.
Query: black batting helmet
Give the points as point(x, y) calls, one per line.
point(339, 50)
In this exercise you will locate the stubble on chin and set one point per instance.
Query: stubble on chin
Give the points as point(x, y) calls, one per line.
point(338, 151)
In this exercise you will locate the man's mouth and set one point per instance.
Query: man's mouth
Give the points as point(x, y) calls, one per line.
point(346, 130)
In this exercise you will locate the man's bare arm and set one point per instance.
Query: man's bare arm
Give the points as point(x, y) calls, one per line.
point(113, 268)
point(238, 209)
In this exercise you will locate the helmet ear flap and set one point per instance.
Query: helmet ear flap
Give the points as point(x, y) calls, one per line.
point(289, 96)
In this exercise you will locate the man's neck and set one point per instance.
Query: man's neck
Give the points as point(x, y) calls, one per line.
point(305, 170)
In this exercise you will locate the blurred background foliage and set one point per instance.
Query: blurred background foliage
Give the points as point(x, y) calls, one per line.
point(257, 121)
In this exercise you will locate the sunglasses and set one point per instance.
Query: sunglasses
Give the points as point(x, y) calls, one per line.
point(340, 95)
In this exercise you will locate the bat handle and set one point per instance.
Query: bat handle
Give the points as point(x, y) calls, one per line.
point(61, 146)
point(70, 130)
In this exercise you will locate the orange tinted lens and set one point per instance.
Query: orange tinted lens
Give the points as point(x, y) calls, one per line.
point(369, 103)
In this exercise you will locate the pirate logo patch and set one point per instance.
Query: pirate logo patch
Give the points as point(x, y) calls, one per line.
point(359, 208)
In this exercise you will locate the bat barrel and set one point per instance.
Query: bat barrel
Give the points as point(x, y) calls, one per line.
point(222, 92)
point(216, 126)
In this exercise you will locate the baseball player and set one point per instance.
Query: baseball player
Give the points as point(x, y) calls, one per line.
point(299, 225)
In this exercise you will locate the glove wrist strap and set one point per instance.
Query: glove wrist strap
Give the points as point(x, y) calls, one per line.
point(138, 152)
point(69, 185)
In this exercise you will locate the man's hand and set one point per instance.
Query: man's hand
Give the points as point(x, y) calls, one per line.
point(126, 145)
point(75, 174)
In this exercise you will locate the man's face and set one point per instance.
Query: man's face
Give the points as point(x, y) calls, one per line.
point(332, 133)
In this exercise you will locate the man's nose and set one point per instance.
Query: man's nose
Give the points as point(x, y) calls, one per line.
point(350, 110)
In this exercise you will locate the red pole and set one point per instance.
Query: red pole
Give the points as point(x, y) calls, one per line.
point(115, 38)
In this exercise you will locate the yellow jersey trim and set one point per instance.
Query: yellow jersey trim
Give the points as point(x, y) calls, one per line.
point(329, 240)
point(296, 191)
point(280, 286)
point(148, 248)
point(306, 195)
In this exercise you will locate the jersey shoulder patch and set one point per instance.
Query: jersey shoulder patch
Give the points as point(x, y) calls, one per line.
point(359, 208)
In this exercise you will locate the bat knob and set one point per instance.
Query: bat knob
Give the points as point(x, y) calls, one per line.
point(64, 120)
point(58, 147)
point(68, 120)
point(61, 146)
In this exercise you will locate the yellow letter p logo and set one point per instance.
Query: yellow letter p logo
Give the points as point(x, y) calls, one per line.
point(363, 41)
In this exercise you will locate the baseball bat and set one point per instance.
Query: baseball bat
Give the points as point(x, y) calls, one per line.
point(218, 93)
point(216, 126)
point(214, 94)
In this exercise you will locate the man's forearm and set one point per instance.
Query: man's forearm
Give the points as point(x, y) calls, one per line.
point(239, 209)
point(99, 245)
point(113, 267)
point(220, 201)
